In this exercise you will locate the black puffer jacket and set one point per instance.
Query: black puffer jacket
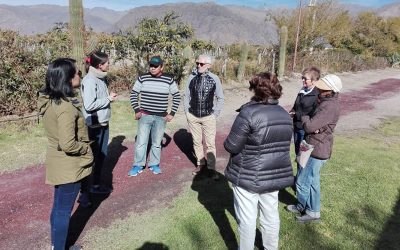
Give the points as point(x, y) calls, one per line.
point(259, 143)
point(304, 105)
point(202, 89)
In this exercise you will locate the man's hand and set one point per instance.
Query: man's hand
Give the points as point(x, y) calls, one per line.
point(168, 118)
point(138, 115)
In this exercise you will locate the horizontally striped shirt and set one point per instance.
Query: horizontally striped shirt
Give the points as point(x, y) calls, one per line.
point(154, 93)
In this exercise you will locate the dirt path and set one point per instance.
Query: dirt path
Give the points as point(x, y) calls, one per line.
point(25, 200)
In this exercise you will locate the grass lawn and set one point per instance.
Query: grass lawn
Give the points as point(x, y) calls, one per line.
point(23, 144)
point(360, 206)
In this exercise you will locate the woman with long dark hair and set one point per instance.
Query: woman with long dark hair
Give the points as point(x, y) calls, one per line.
point(69, 157)
point(259, 165)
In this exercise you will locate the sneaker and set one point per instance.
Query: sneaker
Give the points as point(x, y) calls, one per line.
point(84, 200)
point(156, 169)
point(100, 189)
point(135, 171)
point(293, 209)
point(307, 218)
point(198, 170)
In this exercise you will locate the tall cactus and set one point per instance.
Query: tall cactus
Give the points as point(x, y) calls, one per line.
point(188, 58)
point(77, 30)
point(242, 62)
point(282, 51)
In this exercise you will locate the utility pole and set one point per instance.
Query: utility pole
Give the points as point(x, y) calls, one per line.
point(311, 5)
point(297, 36)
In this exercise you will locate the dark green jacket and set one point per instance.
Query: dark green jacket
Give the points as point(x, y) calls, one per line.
point(68, 157)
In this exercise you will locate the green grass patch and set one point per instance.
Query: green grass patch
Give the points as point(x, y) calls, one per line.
point(21, 144)
point(360, 207)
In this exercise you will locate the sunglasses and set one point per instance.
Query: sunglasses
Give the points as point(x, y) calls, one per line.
point(153, 66)
point(201, 64)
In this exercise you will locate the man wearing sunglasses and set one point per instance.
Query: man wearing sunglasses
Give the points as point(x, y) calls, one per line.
point(203, 103)
point(154, 89)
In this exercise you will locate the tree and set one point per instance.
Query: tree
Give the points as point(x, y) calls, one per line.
point(167, 37)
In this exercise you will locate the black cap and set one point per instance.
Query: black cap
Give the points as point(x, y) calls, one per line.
point(156, 60)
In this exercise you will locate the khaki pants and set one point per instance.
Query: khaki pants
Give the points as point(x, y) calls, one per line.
point(207, 126)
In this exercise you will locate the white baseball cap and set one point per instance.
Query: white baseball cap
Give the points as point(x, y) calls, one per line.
point(329, 82)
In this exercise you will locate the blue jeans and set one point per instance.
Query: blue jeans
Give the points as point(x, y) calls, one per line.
point(154, 125)
point(64, 199)
point(100, 137)
point(308, 187)
point(298, 136)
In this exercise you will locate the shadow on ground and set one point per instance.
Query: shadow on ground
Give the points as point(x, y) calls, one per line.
point(115, 150)
point(82, 215)
point(216, 197)
point(390, 236)
point(153, 246)
point(183, 139)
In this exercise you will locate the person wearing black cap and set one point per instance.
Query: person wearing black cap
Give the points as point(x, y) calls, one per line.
point(319, 129)
point(154, 89)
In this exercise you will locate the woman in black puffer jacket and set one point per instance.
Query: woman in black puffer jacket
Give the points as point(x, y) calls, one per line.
point(260, 165)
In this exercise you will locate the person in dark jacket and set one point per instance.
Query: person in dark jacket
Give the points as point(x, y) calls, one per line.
point(260, 165)
point(202, 111)
point(319, 129)
point(305, 104)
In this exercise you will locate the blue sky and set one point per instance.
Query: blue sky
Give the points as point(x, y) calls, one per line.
point(128, 4)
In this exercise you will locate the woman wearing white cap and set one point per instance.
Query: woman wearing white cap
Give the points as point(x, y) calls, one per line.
point(319, 129)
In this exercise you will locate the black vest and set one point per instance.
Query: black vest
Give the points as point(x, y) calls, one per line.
point(202, 91)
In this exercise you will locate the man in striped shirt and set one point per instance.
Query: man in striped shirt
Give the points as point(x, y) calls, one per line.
point(154, 89)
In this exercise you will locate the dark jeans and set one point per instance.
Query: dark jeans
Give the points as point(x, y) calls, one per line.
point(298, 136)
point(64, 199)
point(99, 147)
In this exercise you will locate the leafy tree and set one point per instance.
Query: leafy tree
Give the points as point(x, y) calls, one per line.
point(200, 45)
point(374, 36)
point(167, 37)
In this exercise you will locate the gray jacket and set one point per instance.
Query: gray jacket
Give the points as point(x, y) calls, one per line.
point(94, 91)
point(259, 143)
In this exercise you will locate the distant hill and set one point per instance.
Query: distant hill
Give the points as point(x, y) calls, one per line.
point(390, 10)
point(223, 24)
point(41, 18)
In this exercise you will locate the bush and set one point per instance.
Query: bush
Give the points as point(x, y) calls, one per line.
point(21, 74)
point(337, 60)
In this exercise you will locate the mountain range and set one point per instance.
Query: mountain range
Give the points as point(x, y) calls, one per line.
point(222, 24)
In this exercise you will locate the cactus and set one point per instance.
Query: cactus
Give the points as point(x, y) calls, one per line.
point(77, 30)
point(242, 62)
point(91, 44)
point(282, 51)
